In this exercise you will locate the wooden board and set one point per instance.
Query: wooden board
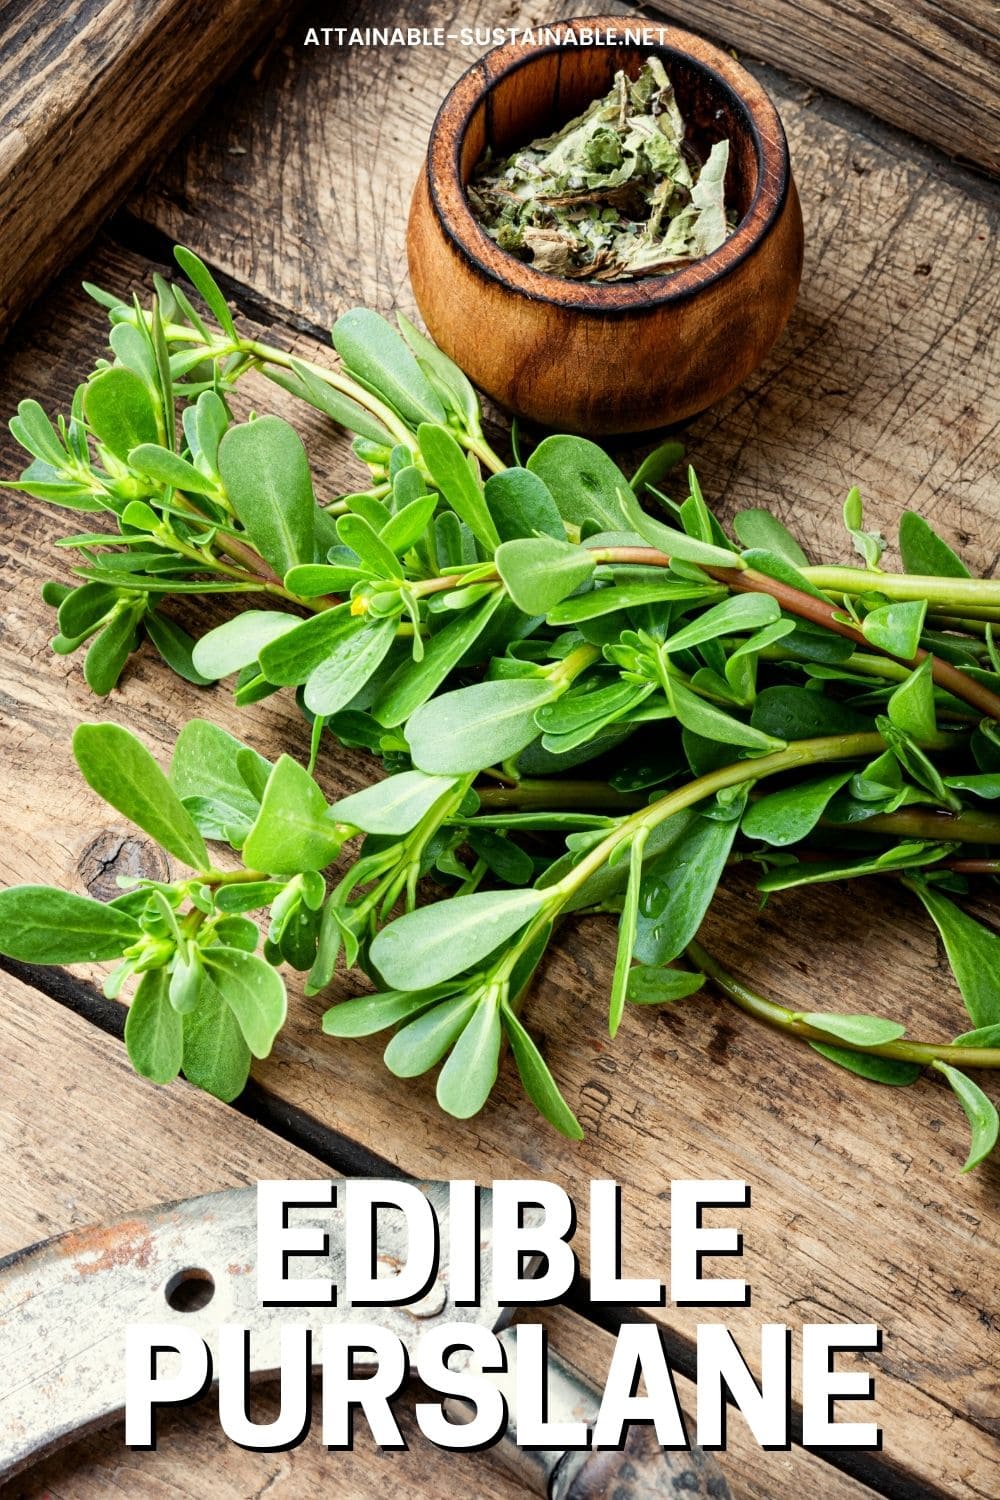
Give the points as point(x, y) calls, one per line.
point(109, 1143)
point(692, 1092)
point(90, 94)
point(928, 66)
point(884, 377)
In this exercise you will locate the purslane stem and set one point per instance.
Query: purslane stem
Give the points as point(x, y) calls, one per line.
point(791, 1022)
point(822, 612)
point(799, 753)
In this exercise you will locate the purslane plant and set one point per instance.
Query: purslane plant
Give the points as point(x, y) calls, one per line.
point(487, 637)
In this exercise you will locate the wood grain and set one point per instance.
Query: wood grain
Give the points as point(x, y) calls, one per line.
point(108, 1143)
point(90, 94)
point(928, 66)
point(859, 1213)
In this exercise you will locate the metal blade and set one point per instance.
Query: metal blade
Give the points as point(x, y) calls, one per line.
point(65, 1303)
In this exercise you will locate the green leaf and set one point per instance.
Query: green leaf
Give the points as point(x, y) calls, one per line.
point(973, 952)
point(236, 644)
point(907, 856)
point(253, 991)
point(373, 350)
point(476, 726)
point(986, 785)
point(423, 1042)
point(522, 506)
point(42, 925)
point(917, 763)
point(896, 628)
point(980, 1112)
point(404, 529)
point(216, 1057)
point(786, 817)
point(911, 706)
point(312, 579)
point(582, 480)
point(436, 942)
point(735, 616)
point(249, 895)
point(309, 387)
point(265, 470)
point(394, 805)
point(657, 986)
point(924, 552)
point(211, 419)
point(294, 654)
point(875, 1069)
point(759, 528)
point(451, 384)
point(676, 544)
point(539, 1085)
point(627, 930)
point(369, 1014)
point(869, 544)
point(33, 430)
point(860, 1030)
point(164, 467)
point(376, 558)
point(154, 1031)
point(469, 1074)
point(204, 282)
point(450, 471)
point(605, 601)
point(982, 1036)
point(204, 767)
point(775, 565)
point(109, 652)
point(795, 713)
point(351, 664)
point(122, 771)
point(656, 465)
point(713, 724)
point(677, 889)
point(294, 829)
point(120, 412)
point(175, 646)
point(84, 608)
point(540, 571)
point(413, 682)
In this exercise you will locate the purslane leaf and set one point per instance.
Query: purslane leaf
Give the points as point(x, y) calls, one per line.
point(266, 474)
point(434, 943)
point(154, 1031)
point(40, 924)
point(980, 1111)
point(122, 771)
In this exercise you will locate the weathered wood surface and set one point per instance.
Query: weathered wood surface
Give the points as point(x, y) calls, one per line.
point(928, 66)
point(883, 377)
point(107, 1143)
point(859, 1213)
point(90, 95)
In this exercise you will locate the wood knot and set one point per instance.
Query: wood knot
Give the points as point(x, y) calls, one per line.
point(111, 853)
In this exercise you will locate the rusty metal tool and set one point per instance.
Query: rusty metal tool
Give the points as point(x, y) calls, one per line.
point(65, 1304)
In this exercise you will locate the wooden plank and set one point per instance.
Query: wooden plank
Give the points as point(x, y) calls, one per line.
point(928, 66)
point(90, 94)
point(105, 1143)
point(840, 1228)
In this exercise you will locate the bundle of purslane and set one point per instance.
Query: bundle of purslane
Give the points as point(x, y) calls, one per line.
point(487, 639)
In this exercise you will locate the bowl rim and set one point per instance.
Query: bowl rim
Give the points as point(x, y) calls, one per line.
point(464, 232)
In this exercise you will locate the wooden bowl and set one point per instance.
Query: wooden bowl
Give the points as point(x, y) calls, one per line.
point(611, 357)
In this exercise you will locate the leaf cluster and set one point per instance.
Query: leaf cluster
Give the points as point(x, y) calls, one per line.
point(487, 628)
